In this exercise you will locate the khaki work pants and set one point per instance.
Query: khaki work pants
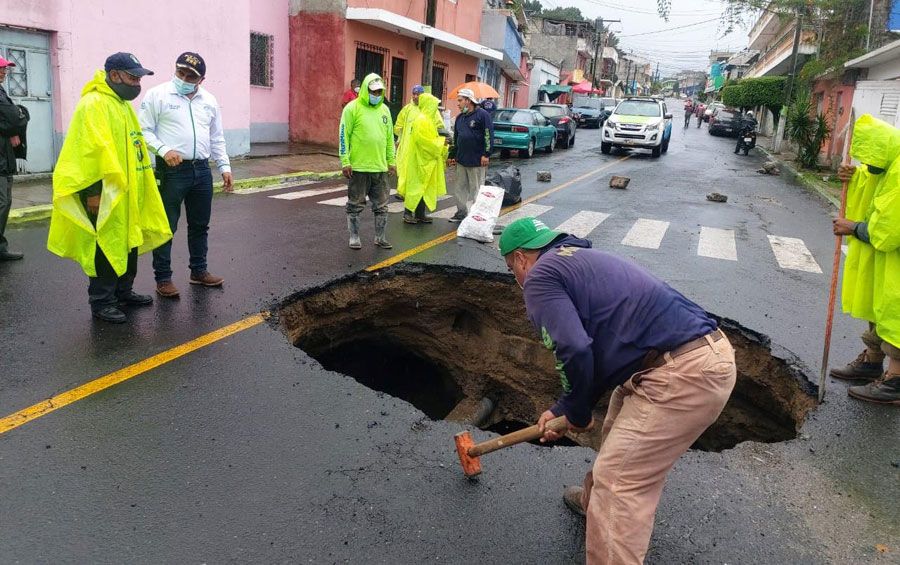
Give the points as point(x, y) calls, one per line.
point(877, 348)
point(653, 418)
point(466, 183)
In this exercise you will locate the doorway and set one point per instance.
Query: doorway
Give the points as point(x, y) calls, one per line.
point(29, 84)
point(397, 86)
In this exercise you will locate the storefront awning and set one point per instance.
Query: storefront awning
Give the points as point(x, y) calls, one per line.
point(555, 88)
point(402, 25)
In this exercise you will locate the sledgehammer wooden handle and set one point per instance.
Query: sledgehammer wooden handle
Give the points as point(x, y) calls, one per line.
point(526, 434)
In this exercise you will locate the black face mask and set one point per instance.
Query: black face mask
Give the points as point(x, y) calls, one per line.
point(874, 170)
point(124, 91)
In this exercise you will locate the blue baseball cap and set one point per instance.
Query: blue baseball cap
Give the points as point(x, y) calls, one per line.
point(418, 89)
point(125, 62)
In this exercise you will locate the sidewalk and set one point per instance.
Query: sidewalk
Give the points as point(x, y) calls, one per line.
point(825, 183)
point(268, 165)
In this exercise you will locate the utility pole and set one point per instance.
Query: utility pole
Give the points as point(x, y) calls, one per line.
point(428, 55)
point(598, 76)
point(779, 134)
point(655, 76)
point(598, 28)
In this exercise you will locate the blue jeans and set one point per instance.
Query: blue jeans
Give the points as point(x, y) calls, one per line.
point(190, 183)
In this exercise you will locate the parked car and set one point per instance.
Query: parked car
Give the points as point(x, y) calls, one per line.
point(641, 122)
point(592, 112)
point(724, 122)
point(523, 130)
point(609, 104)
point(562, 119)
point(712, 110)
point(587, 111)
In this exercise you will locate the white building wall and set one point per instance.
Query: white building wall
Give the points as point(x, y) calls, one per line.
point(540, 74)
point(880, 98)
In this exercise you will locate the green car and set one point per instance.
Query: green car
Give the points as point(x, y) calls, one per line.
point(523, 130)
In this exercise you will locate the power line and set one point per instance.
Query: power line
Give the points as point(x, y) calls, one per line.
point(671, 28)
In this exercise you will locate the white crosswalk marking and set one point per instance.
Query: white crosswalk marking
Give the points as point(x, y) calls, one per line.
point(525, 211)
point(307, 193)
point(582, 223)
point(791, 253)
point(259, 189)
point(646, 233)
point(717, 243)
point(446, 213)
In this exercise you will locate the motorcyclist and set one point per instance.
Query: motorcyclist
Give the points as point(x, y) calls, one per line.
point(747, 124)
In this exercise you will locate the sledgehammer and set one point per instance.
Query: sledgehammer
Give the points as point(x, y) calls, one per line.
point(469, 452)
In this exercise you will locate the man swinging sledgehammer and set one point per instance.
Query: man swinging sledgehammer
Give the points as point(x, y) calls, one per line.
point(611, 324)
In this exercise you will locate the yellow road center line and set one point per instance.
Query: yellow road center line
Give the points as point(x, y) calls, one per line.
point(452, 235)
point(68, 397)
point(44, 407)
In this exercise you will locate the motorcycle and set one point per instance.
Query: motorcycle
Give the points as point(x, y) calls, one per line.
point(747, 139)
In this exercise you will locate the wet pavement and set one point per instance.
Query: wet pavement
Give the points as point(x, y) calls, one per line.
point(247, 450)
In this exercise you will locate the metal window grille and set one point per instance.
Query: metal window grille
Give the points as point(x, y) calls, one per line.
point(889, 103)
point(370, 59)
point(261, 59)
point(439, 80)
point(18, 76)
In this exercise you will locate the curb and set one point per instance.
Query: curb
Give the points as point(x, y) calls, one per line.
point(42, 211)
point(803, 178)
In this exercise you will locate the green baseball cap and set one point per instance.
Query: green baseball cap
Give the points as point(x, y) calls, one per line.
point(526, 233)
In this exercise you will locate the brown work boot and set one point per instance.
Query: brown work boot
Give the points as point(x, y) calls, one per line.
point(166, 289)
point(860, 369)
point(206, 279)
point(885, 390)
point(572, 497)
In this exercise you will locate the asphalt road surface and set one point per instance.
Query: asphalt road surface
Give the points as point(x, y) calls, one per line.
point(241, 448)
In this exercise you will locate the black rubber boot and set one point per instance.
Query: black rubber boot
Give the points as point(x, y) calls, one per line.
point(882, 391)
point(860, 369)
point(422, 213)
point(110, 314)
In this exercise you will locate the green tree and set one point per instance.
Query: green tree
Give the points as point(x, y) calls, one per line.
point(532, 7)
point(570, 13)
point(807, 129)
point(734, 96)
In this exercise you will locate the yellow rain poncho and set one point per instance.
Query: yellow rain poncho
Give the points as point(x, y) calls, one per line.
point(402, 126)
point(104, 142)
point(420, 168)
point(871, 288)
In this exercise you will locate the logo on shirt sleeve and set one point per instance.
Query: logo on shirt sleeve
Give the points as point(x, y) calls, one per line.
point(560, 368)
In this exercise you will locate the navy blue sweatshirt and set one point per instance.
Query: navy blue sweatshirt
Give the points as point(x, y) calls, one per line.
point(601, 315)
point(473, 138)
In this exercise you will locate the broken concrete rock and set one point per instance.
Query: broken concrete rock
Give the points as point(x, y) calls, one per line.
point(543, 176)
point(769, 168)
point(716, 197)
point(619, 182)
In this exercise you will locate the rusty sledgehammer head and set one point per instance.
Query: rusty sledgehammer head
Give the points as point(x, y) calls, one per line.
point(471, 465)
point(469, 452)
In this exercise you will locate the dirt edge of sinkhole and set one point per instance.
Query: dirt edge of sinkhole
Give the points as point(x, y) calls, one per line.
point(445, 338)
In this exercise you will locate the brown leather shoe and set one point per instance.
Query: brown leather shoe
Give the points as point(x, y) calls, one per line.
point(572, 497)
point(207, 279)
point(167, 289)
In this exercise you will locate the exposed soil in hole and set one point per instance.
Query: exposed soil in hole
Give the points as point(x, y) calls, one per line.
point(444, 338)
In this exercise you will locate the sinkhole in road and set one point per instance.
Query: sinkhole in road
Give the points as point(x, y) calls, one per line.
point(445, 338)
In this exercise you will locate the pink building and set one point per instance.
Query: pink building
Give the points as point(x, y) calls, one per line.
point(58, 44)
point(333, 42)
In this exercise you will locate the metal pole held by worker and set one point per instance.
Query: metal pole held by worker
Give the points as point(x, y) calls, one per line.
point(836, 262)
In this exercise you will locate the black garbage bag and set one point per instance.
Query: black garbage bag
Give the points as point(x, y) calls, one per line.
point(510, 179)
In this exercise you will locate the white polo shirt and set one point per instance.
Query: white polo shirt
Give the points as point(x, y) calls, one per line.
point(190, 126)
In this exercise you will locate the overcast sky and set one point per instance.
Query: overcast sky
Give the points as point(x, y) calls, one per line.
point(675, 49)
